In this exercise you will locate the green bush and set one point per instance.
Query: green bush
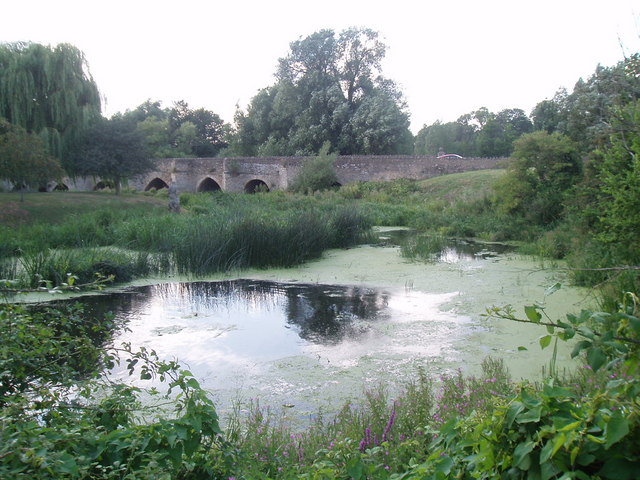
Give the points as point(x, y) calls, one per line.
point(316, 174)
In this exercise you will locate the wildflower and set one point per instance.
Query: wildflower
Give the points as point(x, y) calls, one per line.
point(390, 423)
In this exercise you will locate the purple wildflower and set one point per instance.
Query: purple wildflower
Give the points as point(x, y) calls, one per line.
point(389, 426)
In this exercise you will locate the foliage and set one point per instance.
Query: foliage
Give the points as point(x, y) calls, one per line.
point(210, 131)
point(453, 137)
point(479, 133)
point(48, 91)
point(48, 348)
point(610, 339)
point(328, 90)
point(497, 135)
point(23, 158)
point(374, 437)
point(316, 174)
point(541, 170)
point(541, 433)
point(178, 131)
point(113, 150)
point(618, 175)
point(424, 247)
point(585, 113)
point(56, 425)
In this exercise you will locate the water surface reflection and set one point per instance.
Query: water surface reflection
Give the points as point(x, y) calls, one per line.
point(281, 342)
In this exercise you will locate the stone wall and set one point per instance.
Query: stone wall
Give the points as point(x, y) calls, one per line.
point(237, 174)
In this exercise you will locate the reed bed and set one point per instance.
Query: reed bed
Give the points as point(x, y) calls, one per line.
point(214, 233)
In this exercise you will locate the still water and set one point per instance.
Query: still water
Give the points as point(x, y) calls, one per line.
point(316, 335)
point(285, 344)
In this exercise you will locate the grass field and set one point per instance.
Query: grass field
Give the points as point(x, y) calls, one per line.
point(54, 207)
point(461, 186)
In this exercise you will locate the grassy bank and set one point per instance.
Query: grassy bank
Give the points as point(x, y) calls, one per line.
point(135, 236)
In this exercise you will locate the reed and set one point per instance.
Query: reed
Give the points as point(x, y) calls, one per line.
point(423, 247)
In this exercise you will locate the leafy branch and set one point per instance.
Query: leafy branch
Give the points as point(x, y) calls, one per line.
point(607, 337)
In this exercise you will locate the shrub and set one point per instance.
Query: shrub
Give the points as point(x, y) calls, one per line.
point(316, 174)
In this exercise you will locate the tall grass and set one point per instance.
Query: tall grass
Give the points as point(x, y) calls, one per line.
point(227, 231)
point(423, 247)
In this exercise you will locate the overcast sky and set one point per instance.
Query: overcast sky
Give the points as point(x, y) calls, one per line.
point(448, 57)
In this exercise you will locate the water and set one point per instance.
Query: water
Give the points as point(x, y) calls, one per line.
point(286, 344)
point(316, 335)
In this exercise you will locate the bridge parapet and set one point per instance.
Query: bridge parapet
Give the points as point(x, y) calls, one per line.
point(237, 174)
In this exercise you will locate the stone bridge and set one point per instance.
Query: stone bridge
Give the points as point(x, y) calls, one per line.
point(251, 174)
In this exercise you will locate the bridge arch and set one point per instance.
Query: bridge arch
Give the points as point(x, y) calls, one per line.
point(208, 184)
point(102, 184)
point(156, 183)
point(256, 185)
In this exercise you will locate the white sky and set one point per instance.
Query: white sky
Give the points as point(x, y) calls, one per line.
point(449, 57)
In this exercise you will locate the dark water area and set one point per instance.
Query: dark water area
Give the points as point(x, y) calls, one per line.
point(322, 314)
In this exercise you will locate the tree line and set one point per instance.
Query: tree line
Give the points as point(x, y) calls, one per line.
point(329, 90)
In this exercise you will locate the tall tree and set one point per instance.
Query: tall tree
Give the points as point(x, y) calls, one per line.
point(584, 115)
point(541, 170)
point(614, 190)
point(210, 129)
point(480, 132)
point(499, 131)
point(48, 91)
point(328, 88)
point(114, 150)
point(24, 160)
point(179, 131)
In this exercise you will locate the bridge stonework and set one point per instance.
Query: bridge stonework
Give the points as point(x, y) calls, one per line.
point(238, 174)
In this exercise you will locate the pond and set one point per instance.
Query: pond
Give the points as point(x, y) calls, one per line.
point(315, 336)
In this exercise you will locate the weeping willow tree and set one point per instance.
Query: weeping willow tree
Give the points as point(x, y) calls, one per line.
point(48, 91)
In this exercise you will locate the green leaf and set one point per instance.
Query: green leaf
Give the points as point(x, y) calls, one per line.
point(522, 349)
point(616, 429)
point(619, 469)
point(567, 334)
point(586, 332)
point(545, 341)
point(514, 409)
point(444, 465)
point(571, 426)
point(547, 451)
point(193, 383)
point(531, 311)
point(530, 416)
point(355, 468)
point(553, 391)
point(581, 345)
point(635, 323)
point(558, 441)
point(521, 458)
point(596, 358)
